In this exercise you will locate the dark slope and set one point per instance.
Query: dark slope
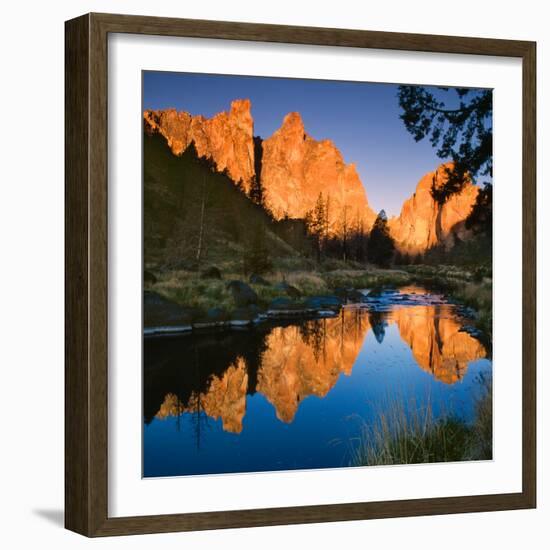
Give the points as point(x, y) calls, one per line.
point(189, 206)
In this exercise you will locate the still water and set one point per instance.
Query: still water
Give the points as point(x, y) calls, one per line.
point(295, 396)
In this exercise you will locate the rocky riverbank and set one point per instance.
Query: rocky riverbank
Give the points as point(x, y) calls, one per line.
point(208, 302)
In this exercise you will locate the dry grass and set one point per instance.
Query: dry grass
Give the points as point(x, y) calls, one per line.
point(410, 434)
point(478, 296)
point(201, 294)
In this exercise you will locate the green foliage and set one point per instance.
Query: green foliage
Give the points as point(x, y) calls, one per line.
point(317, 225)
point(471, 253)
point(460, 127)
point(381, 246)
point(256, 257)
point(256, 192)
point(480, 219)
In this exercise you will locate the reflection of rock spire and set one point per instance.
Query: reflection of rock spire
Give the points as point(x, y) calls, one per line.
point(225, 399)
point(377, 320)
point(437, 343)
point(298, 361)
point(302, 361)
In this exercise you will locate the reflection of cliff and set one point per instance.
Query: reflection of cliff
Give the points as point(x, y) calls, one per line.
point(438, 346)
point(210, 376)
point(189, 366)
point(307, 360)
point(225, 399)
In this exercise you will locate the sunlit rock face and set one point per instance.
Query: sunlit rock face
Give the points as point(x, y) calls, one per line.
point(423, 223)
point(435, 339)
point(296, 169)
point(226, 138)
point(299, 362)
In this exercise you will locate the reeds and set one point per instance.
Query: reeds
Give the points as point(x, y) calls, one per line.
point(406, 433)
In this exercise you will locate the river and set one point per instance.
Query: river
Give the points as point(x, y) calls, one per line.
point(299, 395)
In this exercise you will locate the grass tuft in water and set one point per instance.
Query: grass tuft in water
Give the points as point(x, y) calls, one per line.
point(412, 435)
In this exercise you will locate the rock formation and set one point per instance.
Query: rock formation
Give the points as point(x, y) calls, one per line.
point(226, 138)
point(423, 223)
point(296, 169)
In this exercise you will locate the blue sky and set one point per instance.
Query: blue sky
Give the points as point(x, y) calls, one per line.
point(362, 119)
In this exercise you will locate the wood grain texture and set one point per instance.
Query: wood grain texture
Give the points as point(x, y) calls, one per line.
point(529, 276)
point(77, 459)
point(86, 356)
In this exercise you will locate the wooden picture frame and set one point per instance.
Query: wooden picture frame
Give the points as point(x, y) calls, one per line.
point(86, 282)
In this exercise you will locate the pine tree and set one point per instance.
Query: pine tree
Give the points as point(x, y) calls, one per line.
point(458, 122)
point(256, 191)
point(256, 253)
point(318, 225)
point(381, 246)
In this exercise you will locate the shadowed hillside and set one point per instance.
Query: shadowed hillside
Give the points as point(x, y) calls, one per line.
point(194, 213)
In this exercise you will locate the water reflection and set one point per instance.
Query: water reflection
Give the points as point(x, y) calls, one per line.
point(210, 376)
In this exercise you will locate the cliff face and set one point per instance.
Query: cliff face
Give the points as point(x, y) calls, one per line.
point(296, 169)
point(226, 138)
point(423, 223)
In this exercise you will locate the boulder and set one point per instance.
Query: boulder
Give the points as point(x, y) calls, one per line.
point(159, 311)
point(212, 318)
point(349, 295)
point(354, 295)
point(248, 313)
point(216, 314)
point(280, 303)
point(242, 293)
point(323, 302)
point(292, 291)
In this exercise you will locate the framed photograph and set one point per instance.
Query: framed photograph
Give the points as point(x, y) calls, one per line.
point(300, 274)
